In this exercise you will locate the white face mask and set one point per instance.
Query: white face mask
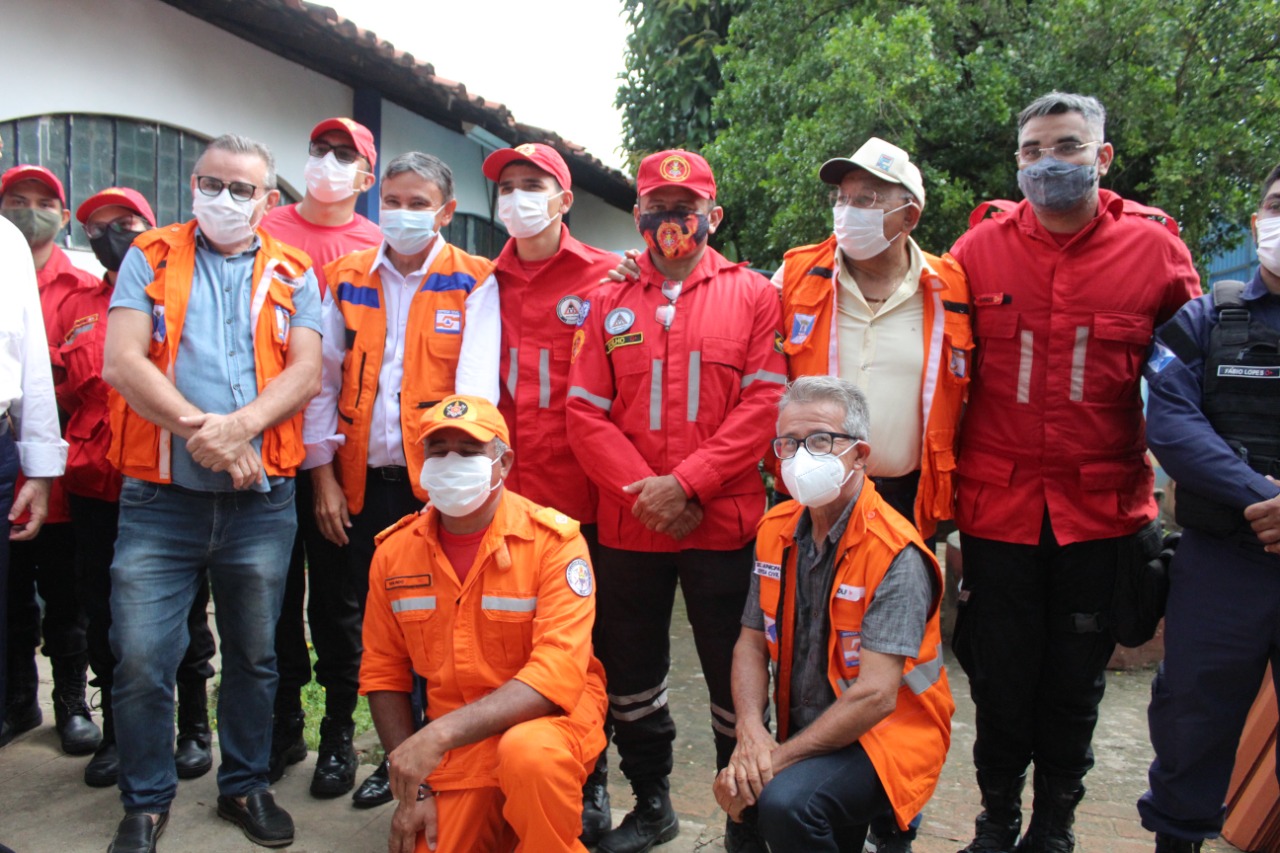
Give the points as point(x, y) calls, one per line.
point(860, 230)
point(1269, 243)
point(328, 180)
point(815, 480)
point(457, 485)
point(222, 219)
point(525, 212)
point(408, 231)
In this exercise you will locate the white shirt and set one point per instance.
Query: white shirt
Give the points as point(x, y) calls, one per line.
point(477, 362)
point(26, 379)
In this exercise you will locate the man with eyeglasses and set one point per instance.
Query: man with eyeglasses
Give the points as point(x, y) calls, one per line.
point(325, 225)
point(32, 198)
point(213, 349)
point(1054, 483)
point(843, 608)
point(671, 381)
point(868, 305)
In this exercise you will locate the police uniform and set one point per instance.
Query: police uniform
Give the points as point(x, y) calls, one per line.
point(1214, 424)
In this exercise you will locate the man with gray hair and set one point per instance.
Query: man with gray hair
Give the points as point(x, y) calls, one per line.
point(413, 321)
point(213, 349)
point(1054, 485)
point(844, 608)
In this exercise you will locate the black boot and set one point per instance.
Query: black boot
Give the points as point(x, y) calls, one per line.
point(652, 821)
point(375, 790)
point(996, 829)
point(1169, 844)
point(22, 707)
point(596, 817)
point(1053, 815)
point(194, 754)
point(287, 743)
point(104, 768)
point(336, 762)
point(76, 728)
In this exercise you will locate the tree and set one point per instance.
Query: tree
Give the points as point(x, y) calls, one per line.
point(1191, 86)
point(672, 72)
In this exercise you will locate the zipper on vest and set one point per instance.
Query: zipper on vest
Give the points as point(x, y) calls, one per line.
point(360, 384)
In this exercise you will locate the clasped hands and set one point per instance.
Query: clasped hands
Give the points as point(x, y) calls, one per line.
point(663, 507)
point(223, 443)
point(750, 768)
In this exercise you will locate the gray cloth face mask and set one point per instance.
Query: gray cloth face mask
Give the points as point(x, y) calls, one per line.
point(1051, 184)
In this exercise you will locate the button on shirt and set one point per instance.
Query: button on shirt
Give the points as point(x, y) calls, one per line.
point(214, 369)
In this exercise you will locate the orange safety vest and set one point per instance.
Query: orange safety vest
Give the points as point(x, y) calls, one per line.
point(909, 746)
point(810, 343)
point(433, 343)
point(140, 448)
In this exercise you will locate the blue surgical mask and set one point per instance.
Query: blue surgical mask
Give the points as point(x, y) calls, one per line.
point(408, 231)
point(1051, 184)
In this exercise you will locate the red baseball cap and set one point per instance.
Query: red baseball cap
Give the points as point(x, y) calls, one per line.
point(676, 168)
point(544, 157)
point(122, 196)
point(360, 135)
point(26, 172)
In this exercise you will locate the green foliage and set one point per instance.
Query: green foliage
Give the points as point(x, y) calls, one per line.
point(1192, 89)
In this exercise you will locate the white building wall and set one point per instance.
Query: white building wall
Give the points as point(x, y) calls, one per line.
point(599, 224)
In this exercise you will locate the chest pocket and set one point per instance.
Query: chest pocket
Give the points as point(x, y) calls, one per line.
point(848, 607)
point(508, 628)
point(423, 631)
point(631, 368)
point(715, 379)
point(1110, 372)
point(1004, 356)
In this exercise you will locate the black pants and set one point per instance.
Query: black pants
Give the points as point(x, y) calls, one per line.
point(8, 474)
point(95, 532)
point(48, 564)
point(824, 803)
point(1032, 637)
point(634, 595)
point(334, 613)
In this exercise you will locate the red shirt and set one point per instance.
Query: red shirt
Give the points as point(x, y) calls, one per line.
point(1055, 414)
point(324, 243)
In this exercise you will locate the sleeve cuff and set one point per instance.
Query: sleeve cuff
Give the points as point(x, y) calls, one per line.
point(697, 478)
point(556, 676)
point(322, 452)
point(42, 460)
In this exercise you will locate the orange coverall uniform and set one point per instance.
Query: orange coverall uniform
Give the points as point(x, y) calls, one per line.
point(525, 611)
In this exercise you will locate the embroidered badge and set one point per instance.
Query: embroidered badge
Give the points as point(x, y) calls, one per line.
point(569, 310)
point(80, 326)
point(283, 320)
point(850, 647)
point(770, 628)
point(801, 327)
point(407, 582)
point(959, 363)
point(578, 574)
point(526, 149)
point(884, 162)
point(845, 592)
point(622, 341)
point(449, 321)
point(992, 299)
point(772, 571)
point(778, 341)
point(1161, 356)
point(157, 324)
point(675, 168)
point(579, 337)
point(586, 309)
point(456, 409)
point(619, 320)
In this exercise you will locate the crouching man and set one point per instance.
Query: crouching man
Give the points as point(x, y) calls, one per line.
point(489, 597)
point(844, 605)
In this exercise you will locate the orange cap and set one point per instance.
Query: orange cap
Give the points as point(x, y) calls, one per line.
point(475, 416)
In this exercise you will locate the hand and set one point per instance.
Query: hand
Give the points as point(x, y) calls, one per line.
point(727, 799)
point(660, 501)
point(332, 516)
point(246, 469)
point(751, 765)
point(411, 819)
point(1264, 518)
point(685, 523)
point(627, 268)
point(412, 762)
point(33, 497)
point(217, 440)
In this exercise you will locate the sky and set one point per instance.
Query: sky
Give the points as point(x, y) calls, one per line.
point(556, 71)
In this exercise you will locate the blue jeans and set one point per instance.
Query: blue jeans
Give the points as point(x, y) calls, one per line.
point(167, 536)
point(822, 804)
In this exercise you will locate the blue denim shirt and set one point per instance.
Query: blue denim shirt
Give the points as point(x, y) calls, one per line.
point(215, 368)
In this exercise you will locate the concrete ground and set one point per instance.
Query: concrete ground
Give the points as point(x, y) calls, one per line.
point(46, 808)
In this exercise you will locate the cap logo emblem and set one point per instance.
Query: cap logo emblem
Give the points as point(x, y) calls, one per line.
point(526, 149)
point(884, 162)
point(675, 168)
point(456, 409)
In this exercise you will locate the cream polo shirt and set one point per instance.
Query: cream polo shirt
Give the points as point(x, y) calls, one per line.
point(882, 352)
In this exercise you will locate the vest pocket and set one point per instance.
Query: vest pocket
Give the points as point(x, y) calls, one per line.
point(422, 633)
point(1111, 373)
point(508, 628)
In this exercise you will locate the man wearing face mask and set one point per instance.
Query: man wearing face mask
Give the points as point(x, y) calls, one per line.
point(843, 607)
point(32, 198)
point(1213, 426)
point(543, 272)
point(417, 319)
point(488, 597)
point(325, 225)
point(112, 219)
point(212, 350)
point(1054, 483)
point(672, 380)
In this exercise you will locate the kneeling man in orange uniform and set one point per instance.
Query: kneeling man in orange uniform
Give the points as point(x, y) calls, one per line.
point(490, 598)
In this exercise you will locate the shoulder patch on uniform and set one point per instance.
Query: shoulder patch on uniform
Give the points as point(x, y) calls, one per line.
point(578, 575)
point(1161, 357)
point(554, 519)
point(801, 327)
point(622, 341)
point(404, 522)
point(778, 341)
point(619, 320)
point(579, 338)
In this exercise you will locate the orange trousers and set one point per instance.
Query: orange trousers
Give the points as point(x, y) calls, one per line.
point(537, 806)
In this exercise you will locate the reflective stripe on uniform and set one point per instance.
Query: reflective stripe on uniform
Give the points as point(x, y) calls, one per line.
point(403, 605)
point(513, 370)
point(695, 383)
point(642, 696)
point(723, 721)
point(764, 376)
point(924, 676)
point(658, 702)
point(655, 396)
point(544, 378)
point(509, 604)
point(1024, 366)
point(1077, 363)
point(594, 399)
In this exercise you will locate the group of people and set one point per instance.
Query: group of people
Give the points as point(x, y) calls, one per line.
point(487, 479)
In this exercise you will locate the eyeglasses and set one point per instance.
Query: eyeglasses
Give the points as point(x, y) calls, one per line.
point(129, 223)
point(240, 191)
point(344, 154)
point(1062, 151)
point(863, 200)
point(817, 443)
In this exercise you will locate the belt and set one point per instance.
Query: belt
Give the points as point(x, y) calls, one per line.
point(904, 480)
point(391, 473)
